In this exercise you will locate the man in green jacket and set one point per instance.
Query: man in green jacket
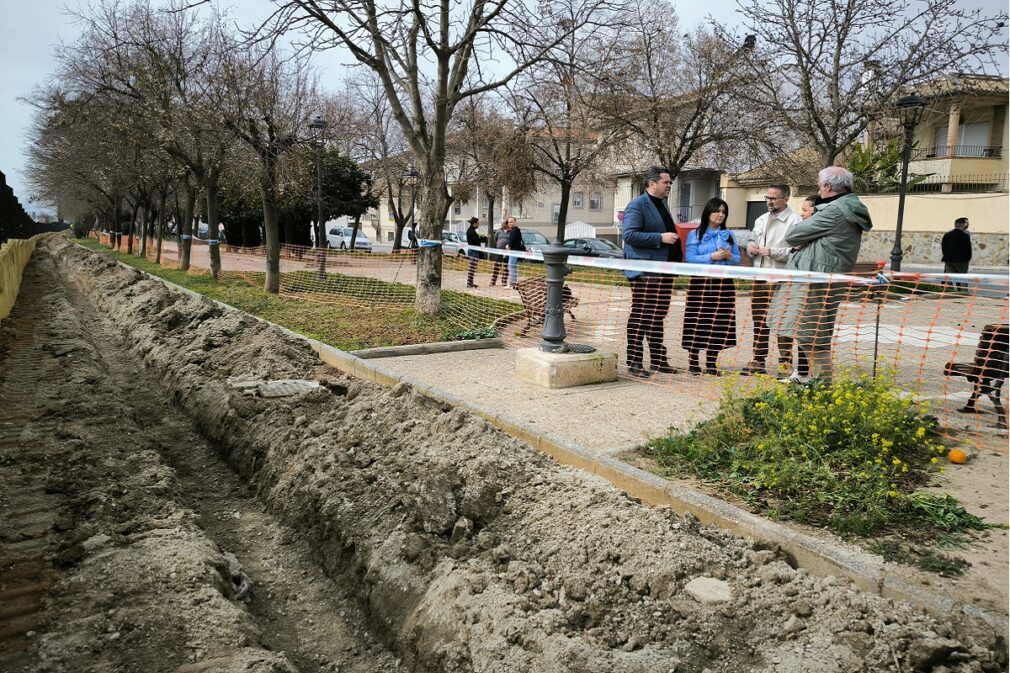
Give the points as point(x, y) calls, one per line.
point(827, 242)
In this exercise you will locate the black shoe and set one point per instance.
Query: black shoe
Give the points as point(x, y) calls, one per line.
point(471, 285)
point(638, 372)
point(712, 372)
point(664, 368)
point(694, 369)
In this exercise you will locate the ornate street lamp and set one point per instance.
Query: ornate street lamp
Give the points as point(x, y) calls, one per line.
point(910, 111)
point(318, 124)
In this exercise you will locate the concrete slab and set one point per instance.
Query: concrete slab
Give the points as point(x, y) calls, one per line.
point(565, 370)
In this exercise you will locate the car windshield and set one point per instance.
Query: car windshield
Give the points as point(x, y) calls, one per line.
point(601, 244)
point(534, 237)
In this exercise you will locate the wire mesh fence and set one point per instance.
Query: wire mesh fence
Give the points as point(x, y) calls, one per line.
point(685, 328)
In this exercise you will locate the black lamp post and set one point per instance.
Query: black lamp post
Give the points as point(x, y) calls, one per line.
point(318, 124)
point(910, 110)
point(412, 181)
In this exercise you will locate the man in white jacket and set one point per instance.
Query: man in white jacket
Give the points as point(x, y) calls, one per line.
point(768, 250)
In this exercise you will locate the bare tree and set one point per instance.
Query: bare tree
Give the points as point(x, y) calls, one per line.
point(678, 94)
point(266, 100)
point(492, 156)
point(555, 101)
point(828, 69)
point(379, 145)
point(428, 59)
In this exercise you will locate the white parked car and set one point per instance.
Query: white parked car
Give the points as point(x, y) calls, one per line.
point(452, 243)
point(340, 238)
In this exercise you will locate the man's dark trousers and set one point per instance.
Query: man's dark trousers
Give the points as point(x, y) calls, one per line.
point(650, 303)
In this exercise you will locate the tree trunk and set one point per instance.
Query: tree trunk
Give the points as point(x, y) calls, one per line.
point(186, 228)
point(143, 230)
point(434, 204)
point(161, 226)
point(133, 222)
point(213, 221)
point(490, 196)
point(354, 230)
point(566, 192)
point(270, 229)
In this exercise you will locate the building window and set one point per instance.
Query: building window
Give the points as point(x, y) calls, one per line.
point(577, 200)
point(596, 201)
point(457, 207)
point(540, 205)
point(555, 212)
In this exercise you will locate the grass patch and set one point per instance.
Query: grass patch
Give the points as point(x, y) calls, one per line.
point(349, 326)
point(851, 456)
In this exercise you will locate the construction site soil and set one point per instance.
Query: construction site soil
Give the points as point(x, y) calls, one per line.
point(165, 508)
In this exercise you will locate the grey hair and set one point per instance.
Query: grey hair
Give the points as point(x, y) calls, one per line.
point(835, 178)
point(653, 174)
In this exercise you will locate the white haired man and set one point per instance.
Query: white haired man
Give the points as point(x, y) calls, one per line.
point(827, 242)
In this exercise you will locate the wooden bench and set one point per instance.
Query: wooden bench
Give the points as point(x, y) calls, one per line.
point(533, 293)
point(987, 372)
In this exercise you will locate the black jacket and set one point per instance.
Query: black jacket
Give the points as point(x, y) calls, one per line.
point(956, 246)
point(516, 239)
point(472, 237)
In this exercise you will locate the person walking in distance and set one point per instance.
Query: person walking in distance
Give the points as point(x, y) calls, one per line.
point(473, 243)
point(768, 250)
point(649, 233)
point(828, 242)
point(956, 248)
point(501, 240)
point(516, 243)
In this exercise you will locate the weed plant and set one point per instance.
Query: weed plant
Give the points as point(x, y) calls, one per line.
point(850, 456)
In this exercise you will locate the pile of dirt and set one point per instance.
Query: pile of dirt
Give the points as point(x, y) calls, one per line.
point(472, 551)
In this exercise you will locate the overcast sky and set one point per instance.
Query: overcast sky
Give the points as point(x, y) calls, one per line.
point(29, 31)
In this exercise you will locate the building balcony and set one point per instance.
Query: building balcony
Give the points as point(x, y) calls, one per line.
point(952, 151)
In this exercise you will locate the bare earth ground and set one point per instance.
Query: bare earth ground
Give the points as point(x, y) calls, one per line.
point(465, 550)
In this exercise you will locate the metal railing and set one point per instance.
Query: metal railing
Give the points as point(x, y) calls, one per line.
point(956, 184)
point(958, 151)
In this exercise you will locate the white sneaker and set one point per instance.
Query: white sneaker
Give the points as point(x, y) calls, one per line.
point(795, 378)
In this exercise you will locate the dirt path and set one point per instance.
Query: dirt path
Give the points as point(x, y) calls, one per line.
point(117, 515)
point(465, 549)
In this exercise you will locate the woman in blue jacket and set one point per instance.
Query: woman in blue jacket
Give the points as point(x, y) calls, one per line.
point(710, 312)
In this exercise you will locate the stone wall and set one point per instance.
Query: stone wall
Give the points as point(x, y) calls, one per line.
point(923, 247)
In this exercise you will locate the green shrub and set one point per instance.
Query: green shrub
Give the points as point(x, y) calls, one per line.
point(849, 456)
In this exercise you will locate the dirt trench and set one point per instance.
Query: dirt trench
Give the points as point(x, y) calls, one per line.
point(117, 521)
point(465, 550)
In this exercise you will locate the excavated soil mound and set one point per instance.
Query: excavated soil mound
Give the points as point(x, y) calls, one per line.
point(471, 551)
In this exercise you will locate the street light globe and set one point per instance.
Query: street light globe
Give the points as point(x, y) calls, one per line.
point(317, 122)
point(910, 109)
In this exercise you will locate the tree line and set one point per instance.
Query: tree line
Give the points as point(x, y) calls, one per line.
point(159, 107)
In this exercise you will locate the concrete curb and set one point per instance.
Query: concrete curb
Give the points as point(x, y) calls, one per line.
point(428, 348)
point(817, 556)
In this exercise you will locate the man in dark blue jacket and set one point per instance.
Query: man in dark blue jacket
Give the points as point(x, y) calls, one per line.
point(649, 233)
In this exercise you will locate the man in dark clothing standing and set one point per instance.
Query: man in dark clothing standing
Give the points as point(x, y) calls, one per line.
point(472, 240)
point(956, 248)
point(649, 233)
point(515, 243)
point(501, 240)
